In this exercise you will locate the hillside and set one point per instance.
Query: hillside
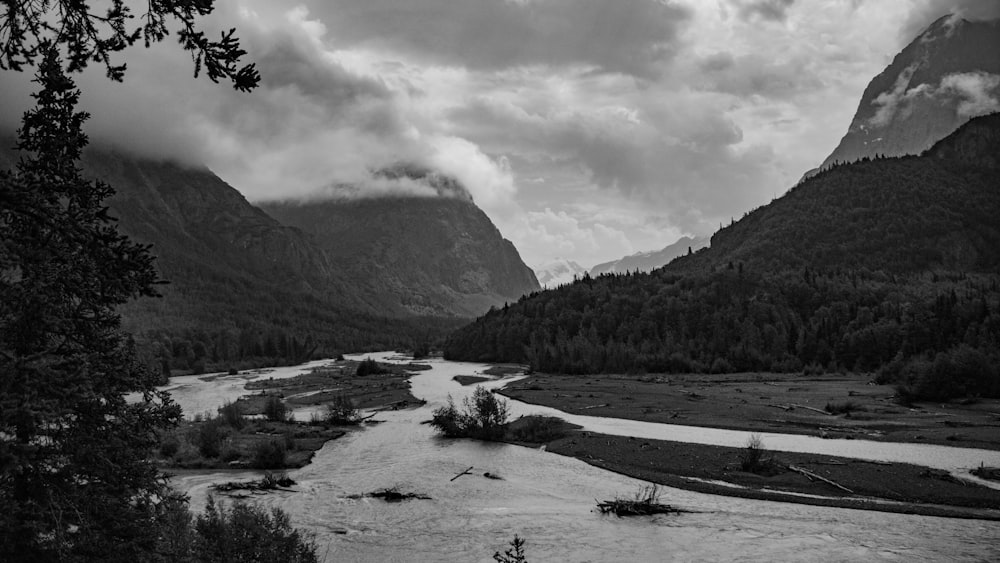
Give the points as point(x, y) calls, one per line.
point(241, 287)
point(887, 265)
point(436, 256)
point(945, 76)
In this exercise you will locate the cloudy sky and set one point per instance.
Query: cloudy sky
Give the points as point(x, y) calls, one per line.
point(586, 129)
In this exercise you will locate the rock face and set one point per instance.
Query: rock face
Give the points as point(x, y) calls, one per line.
point(428, 255)
point(649, 261)
point(947, 75)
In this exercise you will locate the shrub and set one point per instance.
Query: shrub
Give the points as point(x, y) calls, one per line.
point(421, 350)
point(752, 458)
point(536, 429)
point(447, 419)
point(209, 437)
point(169, 446)
point(341, 411)
point(275, 409)
point(845, 407)
point(484, 416)
point(246, 532)
point(369, 366)
point(720, 365)
point(229, 453)
point(269, 454)
point(232, 415)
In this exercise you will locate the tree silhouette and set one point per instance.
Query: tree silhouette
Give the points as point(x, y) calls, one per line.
point(75, 481)
point(29, 28)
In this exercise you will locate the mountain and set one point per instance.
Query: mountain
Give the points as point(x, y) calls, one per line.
point(889, 265)
point(947, 75)
point(242, 286)
point(558, 272)
point(649, 261)
point(435, 255)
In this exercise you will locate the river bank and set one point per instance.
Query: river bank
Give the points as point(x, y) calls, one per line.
point(828, 406)
point(900, 488)
point(746, 402)
point(281, 422)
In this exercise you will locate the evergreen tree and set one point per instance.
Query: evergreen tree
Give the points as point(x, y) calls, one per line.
point(75, 482)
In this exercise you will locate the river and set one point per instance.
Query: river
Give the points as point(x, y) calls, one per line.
point(549, 499)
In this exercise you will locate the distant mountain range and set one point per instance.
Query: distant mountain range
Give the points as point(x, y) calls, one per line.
point(947, 75)
point(649, 261)
point(558, 272)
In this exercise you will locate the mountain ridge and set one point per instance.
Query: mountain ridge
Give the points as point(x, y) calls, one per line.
point(924, 93)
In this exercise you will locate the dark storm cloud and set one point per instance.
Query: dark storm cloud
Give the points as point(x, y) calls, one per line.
point(679, 156)
point(753, 74)
point(630, 37)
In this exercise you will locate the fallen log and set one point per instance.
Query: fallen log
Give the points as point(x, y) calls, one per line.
point(466, 472)
point(812, 475)
point(820, 411)
point(782, 407)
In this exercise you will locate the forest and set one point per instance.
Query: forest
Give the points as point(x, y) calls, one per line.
point(885, 266)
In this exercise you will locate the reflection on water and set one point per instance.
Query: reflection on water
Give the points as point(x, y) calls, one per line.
point(549, 499)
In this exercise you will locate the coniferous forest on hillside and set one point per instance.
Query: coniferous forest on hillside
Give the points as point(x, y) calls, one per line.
point(887, 266)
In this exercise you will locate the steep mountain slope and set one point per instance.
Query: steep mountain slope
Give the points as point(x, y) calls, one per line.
point(558, 272)
point(948, 74)
point(890, 264)
point(901, 215)
point(438, 256)
point(649, 261)
point(241, 284)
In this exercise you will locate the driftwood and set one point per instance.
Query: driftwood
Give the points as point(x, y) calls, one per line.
point(270, 482)
point(872, 461)
point(644, 503)
point(391, 495)
point(594, 406)
point(820, 411)
point(812, 476)
point(466, 472)
point(783, 407)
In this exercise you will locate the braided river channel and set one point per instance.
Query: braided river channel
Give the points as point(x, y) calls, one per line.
point(549, 499)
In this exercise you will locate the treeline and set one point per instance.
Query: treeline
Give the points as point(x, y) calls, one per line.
point(861, 268)
point(733, 321)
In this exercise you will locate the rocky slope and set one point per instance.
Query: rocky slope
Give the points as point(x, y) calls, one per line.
point(944, 77)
